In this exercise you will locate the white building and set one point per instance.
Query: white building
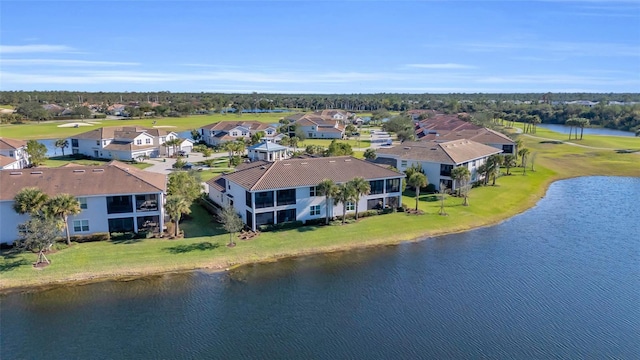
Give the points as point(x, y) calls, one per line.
point(266, 193)
point(125, 143)
point(268, 151)
point(13, 154)
point(224, 131)
point(438, 158)
point(113, 197)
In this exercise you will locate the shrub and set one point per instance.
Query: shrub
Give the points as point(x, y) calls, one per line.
point(281, 226)
point(430, 189)
point(100, 236)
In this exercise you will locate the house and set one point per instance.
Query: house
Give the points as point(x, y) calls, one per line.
point(224, 131)
point(264, 193)
point(417, 113)
point(438, 158)
point(125, 143)
point(318, 127)
point(14, 153)
point(114, 197)
point(450, 127)
point(333, 114)
point(116, 109)
point(268, 151)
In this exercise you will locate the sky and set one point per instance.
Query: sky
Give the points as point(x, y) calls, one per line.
point(345, 47)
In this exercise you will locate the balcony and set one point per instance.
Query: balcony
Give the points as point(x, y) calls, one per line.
point(146, 203)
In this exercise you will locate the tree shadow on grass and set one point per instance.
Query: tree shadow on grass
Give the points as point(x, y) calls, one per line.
point(10, 265)
point(430, 198)
point(201, 246)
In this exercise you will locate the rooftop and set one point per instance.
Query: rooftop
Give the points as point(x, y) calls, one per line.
point(450, 152)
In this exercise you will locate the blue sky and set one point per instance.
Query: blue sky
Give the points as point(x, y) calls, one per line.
point(321, 46)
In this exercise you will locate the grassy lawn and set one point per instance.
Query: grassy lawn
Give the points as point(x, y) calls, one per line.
point(50, 129)
point(204, 245)
point(58, 161)
point(601, 141)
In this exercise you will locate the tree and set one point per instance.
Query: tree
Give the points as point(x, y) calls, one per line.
point(523, 154)
point(581, 122)
point(329, 190)
point(458, 173)
point(186, 184)
point(37, 152)
point(175, 206)
point(442, 191)
point(38, 234)
point(338, 149)
point(532, 159)
point(493, 167)
point(370, 154)
point(195, 135)
point(509, 161)
point(417, 180)
point(30, 200)
point(81, 112)
point(62, 144)
point(231, 222)
point(257, 137)
point(360, 187)
point(173, 143)
point(465, 188)
point(61, 206)
point(344, 195)
point(293, 142)
point(33, 111)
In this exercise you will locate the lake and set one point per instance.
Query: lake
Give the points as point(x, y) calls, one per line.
point(563, 129)
point(561, 280)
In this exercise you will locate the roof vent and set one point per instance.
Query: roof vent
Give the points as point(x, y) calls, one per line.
point(347, 159)
point(332, 161)
point(304, 163)
point(286, 164)
point(78, 171)
point(434, 149)
point(98, 170)
point(36, 173)
point(16, 173)
point(407, 148)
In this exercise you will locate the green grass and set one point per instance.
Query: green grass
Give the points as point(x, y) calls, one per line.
point(50, 129)
point(6, 106)
point(58, 161)
point(600, 141)
point(204, 245)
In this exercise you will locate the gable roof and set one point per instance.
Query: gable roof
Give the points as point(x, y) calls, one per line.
point(11, 144)
point(110, 179)
point(291, 173)
point(482, 135)
point(121, 132)
point(229, 125)
point(5, 160)
point(450, 152)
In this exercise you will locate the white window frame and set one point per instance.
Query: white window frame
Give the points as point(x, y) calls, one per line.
point(315, 210)
point(403, 163)
point(147, 141)
point(350, 206)
point(313, 191)
point(139, 142)
point(83, 202)
point(81, 225)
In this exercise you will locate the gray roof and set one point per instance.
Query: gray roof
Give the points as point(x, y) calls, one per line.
point(267, 146)
point(450, 152)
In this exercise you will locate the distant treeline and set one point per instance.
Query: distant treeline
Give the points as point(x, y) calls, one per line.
point(550, 107)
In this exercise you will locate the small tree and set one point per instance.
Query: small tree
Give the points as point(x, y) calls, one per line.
point(62, 144)
point(370, 154)
point(195, 135)
point(61, 206)
point(509, 162)
point(37, 152)
point(457, 174)
point(38, 234)
point(187, 184)
point(417, 180)
point(257, 137)
point(175, 206)
point(344, 195)
point(329, 189)
point(231, 222)
point(360, 187)
point(532, 159)
point(442, 192)
point(30, 200)
point(524, 152)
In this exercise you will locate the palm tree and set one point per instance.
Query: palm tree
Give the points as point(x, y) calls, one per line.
point(360, 187)
point(509, 161)
point(293, 142)
point(519, 145)
point(30, 200)
point(493, 167)
point(257, 137)
point(458, 173)
point(344, 195)
point(523, 153)
point(175, 206)
point(174, 143)
point(329, 189)
point(417, 180)
point(62, 144)
point(63, 205)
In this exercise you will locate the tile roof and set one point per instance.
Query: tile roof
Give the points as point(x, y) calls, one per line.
point(450, 152)
point(121, 132)
point(113, 178)
point(267, 146)
point(446, 123)
point(5, 160)
point(228, 125)
point(11, 144)
point(262, 175)
point(482, 135)
point(128, 146)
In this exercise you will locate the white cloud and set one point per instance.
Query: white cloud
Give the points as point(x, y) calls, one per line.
point(559, 47)
point(62, 62)
point(34, 48)
point(444, 66)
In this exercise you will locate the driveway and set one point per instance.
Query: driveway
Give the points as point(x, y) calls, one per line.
point(165, 165)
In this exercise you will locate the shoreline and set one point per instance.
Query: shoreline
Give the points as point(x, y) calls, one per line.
point(215, 267)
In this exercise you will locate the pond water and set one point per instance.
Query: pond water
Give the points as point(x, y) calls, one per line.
point(561, 280)
point(587, 131)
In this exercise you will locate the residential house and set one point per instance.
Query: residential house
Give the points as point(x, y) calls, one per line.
point(114, 197)
point(125, 143)
point(224, 131)
point(14, 153)
point(438, 158)
point(334, 114)
point(450, 127)
point(318, 127)
point(275, 192)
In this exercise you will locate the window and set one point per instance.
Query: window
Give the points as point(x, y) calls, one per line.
point(74, 142)
point(83, 202)
point(313, 191)
point(98, 142)
point(314, 210)
point(10, 153)
point(403, 163)
point(473, 163)
point(350, 206)
point(286, 197)
point(244, 133)
point(162, 139)
point(235, 133)
point(80, 225)
point(393, 185)
point(264, 199)
point(104, 142)
point(286, 215)
point(248, 201)
point(139, 142)
point(507, 149)
point(445, 170)
point(377, 187)
point(147, 141)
